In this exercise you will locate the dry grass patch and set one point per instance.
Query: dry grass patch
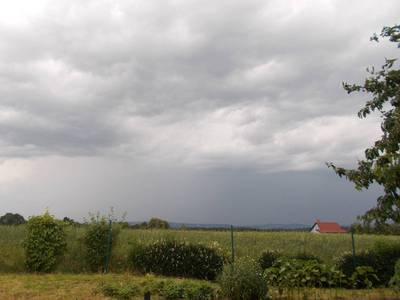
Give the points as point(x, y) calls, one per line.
point(83, 286)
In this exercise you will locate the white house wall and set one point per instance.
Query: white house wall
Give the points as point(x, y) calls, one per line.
point(315, 229)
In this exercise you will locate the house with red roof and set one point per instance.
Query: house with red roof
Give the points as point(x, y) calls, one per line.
point(326, 227)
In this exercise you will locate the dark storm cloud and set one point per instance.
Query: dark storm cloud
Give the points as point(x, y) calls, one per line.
point(229, 83)
point(76, 186)
point(220, 112)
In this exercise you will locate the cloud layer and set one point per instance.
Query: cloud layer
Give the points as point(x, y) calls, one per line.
point(231, 83)
point(196, 111)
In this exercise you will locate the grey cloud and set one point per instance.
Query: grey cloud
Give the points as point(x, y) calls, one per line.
point(230, 83)
point(220, 112)
point(76, 186)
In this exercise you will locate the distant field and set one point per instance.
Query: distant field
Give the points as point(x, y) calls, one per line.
point(84, 286)
point(250, 243)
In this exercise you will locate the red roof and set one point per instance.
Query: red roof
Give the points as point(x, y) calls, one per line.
point(329, 227)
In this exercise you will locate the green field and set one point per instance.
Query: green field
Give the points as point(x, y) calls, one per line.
point(250, 243)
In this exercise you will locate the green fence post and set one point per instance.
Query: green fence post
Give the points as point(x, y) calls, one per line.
point(109, 243)
point(353, 249)
point(232, 246)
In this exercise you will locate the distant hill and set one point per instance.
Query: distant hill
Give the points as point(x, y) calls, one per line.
point(177, 225)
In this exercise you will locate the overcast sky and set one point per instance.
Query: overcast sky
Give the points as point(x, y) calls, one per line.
point(192, 111)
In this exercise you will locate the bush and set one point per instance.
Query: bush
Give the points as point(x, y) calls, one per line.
point(172, 290)
point(363, 258)
point(243, 280)
point(386, 255)
point(120, 291)
point(190, 290)
point(306, 256)
point(198, 291)
point(45, 243)
point(395, 280)
point(381, 258)
point(174, 258)
point(268, 258)
point(167, 289)
point(96, 242)
point(294, 273)
point(363, 277)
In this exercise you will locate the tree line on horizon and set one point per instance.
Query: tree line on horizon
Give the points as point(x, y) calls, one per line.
point(156, 223)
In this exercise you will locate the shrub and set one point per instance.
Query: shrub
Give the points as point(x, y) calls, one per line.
point(243, 280)
point(172, 290)
point(268, 258)
point(167, 289)
point(45, 243)
point(96, 242)
point(306, 256)
point(294, 273)
point(198, 291)
point(386, 255)
point(363, 258)
point(381, 258)
point(174, 258)
point(395, 280)
point(120, 291)
point(190, 290)
point(363, 277)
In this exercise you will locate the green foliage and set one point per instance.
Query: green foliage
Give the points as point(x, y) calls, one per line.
point(306, 256)
point(243, 280)
point(12, 219)
point(70, 221)
point(175, 258)
point(172, 291)
point(362, 258)
point(97, 241)
point(198, 290)
point(190, 290)
point(395, 280)
point(167, 289)
point(382, 258)
point(247, 243)
point(45, 243)
point(120, 291)
point(382, 161)
point(386, 257)
point(364, 277)
point(157, 223)
point(294, 273)
point(369, 228)
point(268, 258)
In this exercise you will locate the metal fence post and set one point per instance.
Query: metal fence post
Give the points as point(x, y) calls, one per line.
point(232, 246)
point(109, 243)
point(353, 249)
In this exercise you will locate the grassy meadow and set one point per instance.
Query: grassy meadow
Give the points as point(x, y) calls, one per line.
point(84, 286)
point(247, 243)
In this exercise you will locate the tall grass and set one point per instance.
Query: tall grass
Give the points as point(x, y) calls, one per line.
point(248, 243)
point(12, 255)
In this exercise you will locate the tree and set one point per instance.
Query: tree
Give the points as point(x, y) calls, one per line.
point(158, 223)
point(12, 219)
point(70, 221)
point(45, 243)
point(382, 161)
